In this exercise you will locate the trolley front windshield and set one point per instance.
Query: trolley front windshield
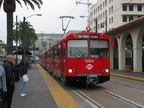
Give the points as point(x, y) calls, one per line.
point(79, 48)
point(98, 48)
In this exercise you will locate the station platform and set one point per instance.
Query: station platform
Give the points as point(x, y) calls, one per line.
point(42, 92)
point(139, 76)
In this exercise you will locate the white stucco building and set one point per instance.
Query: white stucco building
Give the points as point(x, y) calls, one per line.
point(122, 20)
point(120, 55)
point(112, 13)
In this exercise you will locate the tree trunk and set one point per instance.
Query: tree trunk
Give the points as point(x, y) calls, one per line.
point(9, 7)
point(9, 33)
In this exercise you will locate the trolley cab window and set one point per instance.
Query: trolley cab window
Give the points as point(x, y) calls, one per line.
point(98, 48)
point(77, 48)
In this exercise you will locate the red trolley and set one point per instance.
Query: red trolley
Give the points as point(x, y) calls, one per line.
point(79, 57)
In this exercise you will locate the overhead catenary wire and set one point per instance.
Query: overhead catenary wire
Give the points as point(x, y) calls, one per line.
point(65, 19)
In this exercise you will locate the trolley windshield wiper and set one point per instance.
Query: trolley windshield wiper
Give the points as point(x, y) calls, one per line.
point(73, 54)
point(81, 54)
point(100, 54)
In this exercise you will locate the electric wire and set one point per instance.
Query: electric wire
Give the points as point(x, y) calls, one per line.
point(65, 19)
point(74, 10)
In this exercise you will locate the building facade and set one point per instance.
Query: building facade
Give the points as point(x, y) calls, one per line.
point(123, 55)
point(2, 50)
point(113, 13)
point(123, 21)
point(45, 41)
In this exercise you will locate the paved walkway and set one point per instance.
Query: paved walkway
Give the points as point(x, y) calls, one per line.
point(38, 94)
point(42, 92)
point(139, 76)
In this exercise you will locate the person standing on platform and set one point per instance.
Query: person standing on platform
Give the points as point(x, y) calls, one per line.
point(3, 87)
point(22, 70)
point(10, 78)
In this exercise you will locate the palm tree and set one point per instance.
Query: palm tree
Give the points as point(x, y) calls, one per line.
point(9, 7)
point(31, 36)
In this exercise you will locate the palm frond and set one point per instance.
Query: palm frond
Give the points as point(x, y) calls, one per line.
point(1, 1)
point(19, 2)
point(30, 33)
point(32, 2)
point(25, 2)
point(38, 3)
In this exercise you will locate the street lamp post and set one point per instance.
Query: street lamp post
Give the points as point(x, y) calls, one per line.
point(96, 29)
point(42, 42)
point(88, 4)
point(106, 25)
point(24, 33)
point(95, 20)
point(16, 41)
point(50, 42)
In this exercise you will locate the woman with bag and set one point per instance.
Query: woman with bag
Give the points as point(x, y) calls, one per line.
point(3, 87)
point(23, 71)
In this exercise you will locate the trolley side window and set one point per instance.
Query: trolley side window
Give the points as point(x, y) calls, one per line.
point(77, 49)
point(57, 51)
point(98, 48)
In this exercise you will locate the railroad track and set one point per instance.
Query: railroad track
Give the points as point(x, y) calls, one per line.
point(95, 104)
point(132, 103)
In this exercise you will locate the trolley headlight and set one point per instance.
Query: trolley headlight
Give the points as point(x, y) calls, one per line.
point(106, 70)
point(70, 70)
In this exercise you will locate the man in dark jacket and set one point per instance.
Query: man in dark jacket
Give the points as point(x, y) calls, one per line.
point(10, 78)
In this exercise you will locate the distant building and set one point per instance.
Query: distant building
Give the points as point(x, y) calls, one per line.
point(113, 13)
point(2, 50)
point(45, 41)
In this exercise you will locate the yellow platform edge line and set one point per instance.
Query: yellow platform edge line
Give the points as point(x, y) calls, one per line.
point(61, 97)
point(128, 77)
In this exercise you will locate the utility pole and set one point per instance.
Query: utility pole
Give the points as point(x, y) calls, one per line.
point(24, 34)
point(42, 41)
point(88, 4)
point(24, 37)
point(62, 17)
point(95, 20)
point(16, 41)
point(106, 24)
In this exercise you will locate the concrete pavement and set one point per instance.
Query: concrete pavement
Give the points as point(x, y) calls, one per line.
point(139, 76)
point(43, 92)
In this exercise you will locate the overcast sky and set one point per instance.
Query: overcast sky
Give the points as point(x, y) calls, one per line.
point(50, 22)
